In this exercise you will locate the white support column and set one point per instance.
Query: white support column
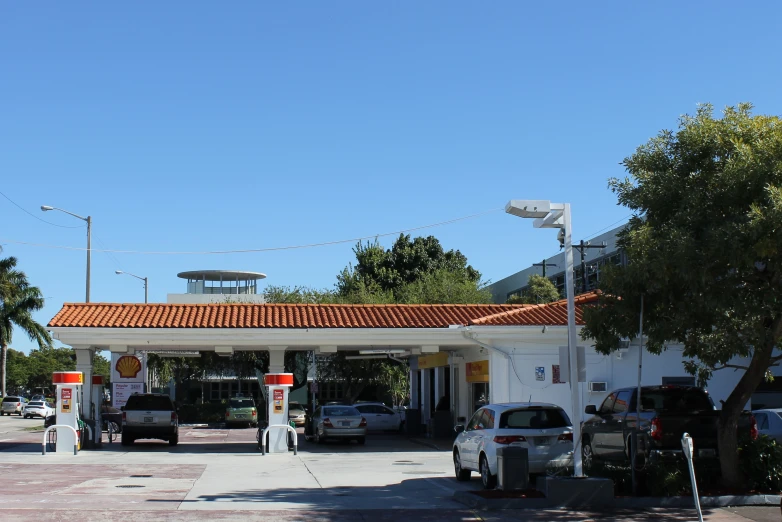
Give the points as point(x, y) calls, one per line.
point(414, 379)
point(426, 397)
point(277, 359)
point(439, 383)
point(84, 356)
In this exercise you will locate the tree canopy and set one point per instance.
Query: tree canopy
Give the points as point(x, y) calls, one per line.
point(704, 252)
point(540, 291)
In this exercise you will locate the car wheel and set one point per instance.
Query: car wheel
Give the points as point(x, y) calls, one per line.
point(26, 416)
point(462, 474)
point(587, 456)
point(127, 441)
point(488, 480)
point(173, 441)
point(361, 440)
point(316, 436)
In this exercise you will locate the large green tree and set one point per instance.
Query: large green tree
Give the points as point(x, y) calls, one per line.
point(47, 360)
point(18, 371)
point(379, 274)
point(18, 301)
point(705, 253)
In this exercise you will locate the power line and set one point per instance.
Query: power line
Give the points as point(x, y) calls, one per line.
point(36, 217)
point(593, 234)
point(257, 250)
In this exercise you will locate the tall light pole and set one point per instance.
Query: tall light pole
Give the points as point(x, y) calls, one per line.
point(146, 286)
point(557, 215)
point(88, 219)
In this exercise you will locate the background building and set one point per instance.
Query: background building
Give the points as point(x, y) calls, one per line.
point(595, 257)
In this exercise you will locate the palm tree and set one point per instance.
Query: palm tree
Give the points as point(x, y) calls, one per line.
point(18, 301)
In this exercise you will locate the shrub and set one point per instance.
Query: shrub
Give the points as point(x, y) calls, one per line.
point(619, 472)
point(761, 463)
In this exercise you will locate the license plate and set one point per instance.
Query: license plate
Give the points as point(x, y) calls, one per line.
point(541, 441)
point(149, 419)
point(240, 416)
point(346, 423)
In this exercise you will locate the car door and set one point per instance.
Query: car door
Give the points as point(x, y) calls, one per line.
point(372, 415)
point(471, 438)
point(614, 440)
point(598, 425)
point(390, 418)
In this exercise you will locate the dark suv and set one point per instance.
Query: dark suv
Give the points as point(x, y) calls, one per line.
point(149, 416)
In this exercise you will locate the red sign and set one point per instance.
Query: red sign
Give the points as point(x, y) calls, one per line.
point(555, 374)
point(278, 395)
point(66, 393)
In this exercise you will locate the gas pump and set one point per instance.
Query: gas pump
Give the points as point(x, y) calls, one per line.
point(67, 408)
point(97, 408)
point(278, 385)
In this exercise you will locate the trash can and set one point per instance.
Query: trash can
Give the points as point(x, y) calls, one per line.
point(512, 468)
point(413, 423)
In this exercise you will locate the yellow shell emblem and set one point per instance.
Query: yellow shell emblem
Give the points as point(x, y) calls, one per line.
point(128, 366)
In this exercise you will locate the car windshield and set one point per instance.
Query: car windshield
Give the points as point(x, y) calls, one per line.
point(11, 399)
point(295, 408)
point(538, 418)
point(149, 402)
point(676, 400)
point(340, 411)
point(241, 403)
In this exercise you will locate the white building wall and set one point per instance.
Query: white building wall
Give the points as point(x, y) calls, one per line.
point(517, 381)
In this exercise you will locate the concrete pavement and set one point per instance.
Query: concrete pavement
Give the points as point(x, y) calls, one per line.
point(226, 478)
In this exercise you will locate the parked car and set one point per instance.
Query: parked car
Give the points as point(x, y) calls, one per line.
point(336, 422)
point(38, 398)
point(149, 416)
point(769, 423)
point(544, 429)
point(241, 411)
point(379, 416)
point(297, 413)
point(667, 412)
point(13, 404)
point(37, 409)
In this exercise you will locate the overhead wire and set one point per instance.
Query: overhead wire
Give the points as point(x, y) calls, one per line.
point(36, 217)
point(257, 250)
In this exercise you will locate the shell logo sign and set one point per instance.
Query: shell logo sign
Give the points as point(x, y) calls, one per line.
point(128, 366)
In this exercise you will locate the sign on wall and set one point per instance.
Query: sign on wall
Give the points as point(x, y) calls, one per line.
point(434, 360)
point(123, 390)
point(477, 371)
point(540, 373)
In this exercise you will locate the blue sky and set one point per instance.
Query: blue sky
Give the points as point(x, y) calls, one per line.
point(193, 126)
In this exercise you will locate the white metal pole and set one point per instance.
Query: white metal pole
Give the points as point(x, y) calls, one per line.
point(575, 394)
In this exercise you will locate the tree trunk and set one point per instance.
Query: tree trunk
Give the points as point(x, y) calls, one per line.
point(3, 360)
point(731, 411)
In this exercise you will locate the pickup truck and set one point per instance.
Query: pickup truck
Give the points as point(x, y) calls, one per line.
point(667, 412)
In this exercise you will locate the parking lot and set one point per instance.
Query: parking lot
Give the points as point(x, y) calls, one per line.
point(217, 473)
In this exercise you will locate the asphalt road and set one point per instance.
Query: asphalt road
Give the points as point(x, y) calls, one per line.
point(10, 424)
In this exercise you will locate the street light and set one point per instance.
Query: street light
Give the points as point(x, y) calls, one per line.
point(88, 219)
point(137, 277)
point(557, 215)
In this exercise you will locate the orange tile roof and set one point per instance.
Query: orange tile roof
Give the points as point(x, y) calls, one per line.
point(551, 314)
point(115, 315)
point(156, 315)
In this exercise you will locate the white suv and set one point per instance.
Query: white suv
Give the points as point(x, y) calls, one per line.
point(544, 429)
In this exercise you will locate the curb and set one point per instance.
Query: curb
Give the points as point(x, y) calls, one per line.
point(476, 502)
point(424, 442)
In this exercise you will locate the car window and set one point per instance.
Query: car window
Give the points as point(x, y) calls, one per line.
point(608, 405)
point(475, 421)
point(341, 411)
point(12, 399)
point(149, 402)
point(622, 402)
point(488, 419)
point(387, 411)
point(762, 421)
point(538, 418)
point(241, 403)
point(35, 403)
point(677, 399)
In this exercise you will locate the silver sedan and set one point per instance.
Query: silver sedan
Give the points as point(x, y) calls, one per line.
point(336, 422)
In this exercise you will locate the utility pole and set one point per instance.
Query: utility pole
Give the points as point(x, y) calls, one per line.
point(582, 247)
point(544, 265)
